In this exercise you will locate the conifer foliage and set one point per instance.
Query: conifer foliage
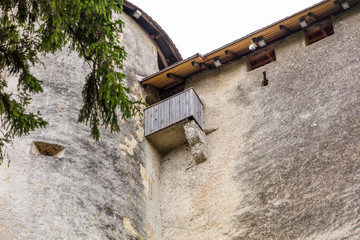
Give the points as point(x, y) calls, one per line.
point(32, 27)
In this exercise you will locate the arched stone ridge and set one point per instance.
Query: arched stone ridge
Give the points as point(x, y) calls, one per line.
point(166, 48)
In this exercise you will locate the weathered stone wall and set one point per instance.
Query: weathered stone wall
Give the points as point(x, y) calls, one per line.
point(97, 190)
point(284, 162)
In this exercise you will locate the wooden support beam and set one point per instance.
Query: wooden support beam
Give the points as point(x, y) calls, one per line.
point(195, 64)
point(282, 27)
point(170, 85)
point(259, 64)
point(270, 57)
point(310, 14)
point(162, 56)
point(200, 65)
point(156, 36)
point(230, 53)
point(175, 77)
point(324, 32)
point(204, 65)
point(315, 39)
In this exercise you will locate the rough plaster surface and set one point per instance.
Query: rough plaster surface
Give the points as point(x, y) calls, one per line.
point(96, 190)
point(284, 162)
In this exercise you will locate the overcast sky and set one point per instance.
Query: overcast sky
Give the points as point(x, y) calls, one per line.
point(200, 26)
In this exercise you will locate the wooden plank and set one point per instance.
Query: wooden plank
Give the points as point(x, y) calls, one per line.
point(149, 121)
point(270, 57)
point(183, 106)
point(230, 53)
point(324, 32)
point(167, 109)
point(177, 108)
point(189, 99)
point(146, 120)
point(155, 119)
point(176, 80)
point(199, 112)
point(315, 39)
point(200, 116)
point(151, 128)
point(193, 98)
point(186, 105)
point(172, 110)
point(195, 64)
point(162, 56)
point(260, 64)
point(164, 114)
point(175, 77)
point(287, 30)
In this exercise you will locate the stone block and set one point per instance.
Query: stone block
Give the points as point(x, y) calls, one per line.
point(193, 133)
point(199, 152)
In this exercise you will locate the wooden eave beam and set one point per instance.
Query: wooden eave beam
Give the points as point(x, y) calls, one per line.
point(175, 77)
point(324, 32)
point(259, 64)
point(310, 14)
point(315, 39)
point(156, 36)
point(287, 30)
point(230, 53)
point(270, 57)
point(204, 65)
point(196, 64)
point(162, 56)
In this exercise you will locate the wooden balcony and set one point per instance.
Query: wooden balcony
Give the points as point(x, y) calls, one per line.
point(164, 120)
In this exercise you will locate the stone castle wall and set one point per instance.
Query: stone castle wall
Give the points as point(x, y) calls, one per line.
point(284, 161)
point(97, 190)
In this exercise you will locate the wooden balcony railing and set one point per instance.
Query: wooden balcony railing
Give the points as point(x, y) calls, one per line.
point(163, 120)
point(181, 106)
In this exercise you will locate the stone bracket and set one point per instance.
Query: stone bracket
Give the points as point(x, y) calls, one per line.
point(196, 139)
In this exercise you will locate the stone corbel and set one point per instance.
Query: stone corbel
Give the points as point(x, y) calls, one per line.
point(196, 139)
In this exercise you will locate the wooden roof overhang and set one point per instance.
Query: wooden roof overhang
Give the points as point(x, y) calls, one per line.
point(167, 51)
point(178, 72)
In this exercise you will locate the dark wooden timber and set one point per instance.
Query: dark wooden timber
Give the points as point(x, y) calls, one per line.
point(310, 14)
point(282, 27)
point(162, 57)
point(195, 64)
point(230, 53)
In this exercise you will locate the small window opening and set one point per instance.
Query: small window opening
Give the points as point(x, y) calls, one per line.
point(318, 31)
point(265, 81)
point(261, 57)
point(48, 149)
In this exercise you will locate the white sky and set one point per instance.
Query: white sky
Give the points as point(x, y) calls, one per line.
point(200, 26)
